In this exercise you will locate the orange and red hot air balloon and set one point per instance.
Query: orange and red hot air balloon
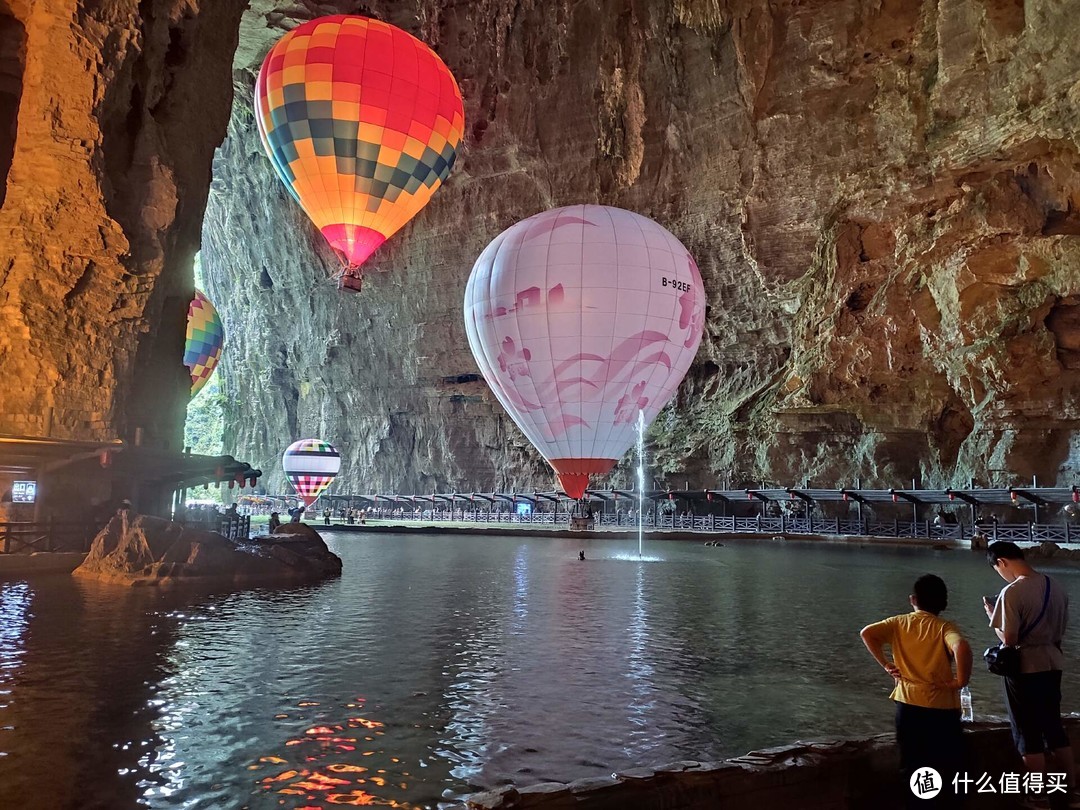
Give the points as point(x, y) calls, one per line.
point(362, 122)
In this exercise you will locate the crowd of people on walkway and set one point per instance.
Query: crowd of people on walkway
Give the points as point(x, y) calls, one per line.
point(930, 663)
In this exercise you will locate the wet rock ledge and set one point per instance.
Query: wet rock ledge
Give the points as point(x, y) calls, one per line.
point(853, 774)
point(145, 550)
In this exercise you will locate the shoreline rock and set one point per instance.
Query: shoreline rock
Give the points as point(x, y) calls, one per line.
point(145, 550)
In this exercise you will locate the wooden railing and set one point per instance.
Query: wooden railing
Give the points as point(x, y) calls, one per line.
point(26, 538)
point(232, 527)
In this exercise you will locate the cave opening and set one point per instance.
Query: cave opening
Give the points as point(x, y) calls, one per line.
point(12, 66)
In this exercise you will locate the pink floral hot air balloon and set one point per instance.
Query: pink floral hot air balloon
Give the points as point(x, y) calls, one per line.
point(579, 317)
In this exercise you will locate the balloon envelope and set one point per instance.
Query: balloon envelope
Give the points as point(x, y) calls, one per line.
point(203, 341)
point(579, 317)
point(362, 122)
point(310, 465)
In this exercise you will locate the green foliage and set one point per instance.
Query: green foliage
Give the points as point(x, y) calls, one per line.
point(205, 425)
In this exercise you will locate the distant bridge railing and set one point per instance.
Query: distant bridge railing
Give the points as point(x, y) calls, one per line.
point(716, 524)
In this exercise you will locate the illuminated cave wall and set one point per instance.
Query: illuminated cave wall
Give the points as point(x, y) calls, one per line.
point(881, 195)
point(109, 115)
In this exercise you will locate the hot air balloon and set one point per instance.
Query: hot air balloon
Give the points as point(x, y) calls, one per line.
point(310, 465)
point(578, 318)
point(202, 345)
point(362, 122)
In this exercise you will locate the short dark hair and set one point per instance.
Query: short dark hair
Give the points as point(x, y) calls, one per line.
point(1003, 550)
point(931, 594)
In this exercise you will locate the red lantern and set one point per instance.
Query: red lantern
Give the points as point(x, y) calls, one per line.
point(1076, 495)
point(1012, 495)
point(845, 496)
point(951, 497)
point(894, 497)
point(708, 495)
point(105, 458)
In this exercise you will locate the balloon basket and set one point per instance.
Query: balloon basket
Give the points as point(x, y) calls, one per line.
point(352, 283)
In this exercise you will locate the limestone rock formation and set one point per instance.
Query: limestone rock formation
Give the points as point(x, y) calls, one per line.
point(109, 115)
point(144, 550)
point(882, 197)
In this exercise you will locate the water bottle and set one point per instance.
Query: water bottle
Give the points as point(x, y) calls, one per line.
point(966, 714)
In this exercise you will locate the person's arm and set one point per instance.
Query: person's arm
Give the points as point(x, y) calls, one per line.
point(961, 651)
point(875, 636)
point(1005, 623)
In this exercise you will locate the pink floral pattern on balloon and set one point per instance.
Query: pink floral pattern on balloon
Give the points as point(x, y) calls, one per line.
point(579, 318)
point(628, 406)
point(514, 363)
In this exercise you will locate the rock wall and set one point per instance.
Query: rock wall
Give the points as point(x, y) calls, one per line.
point(882, 196)
point(109, 114)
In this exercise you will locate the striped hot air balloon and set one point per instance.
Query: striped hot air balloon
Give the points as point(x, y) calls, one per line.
point(204, 340)
point(310, 465)
point(362, 123)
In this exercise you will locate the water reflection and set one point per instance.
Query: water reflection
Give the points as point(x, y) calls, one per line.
point(440, 666)
point(14, 619)
point(639, 669)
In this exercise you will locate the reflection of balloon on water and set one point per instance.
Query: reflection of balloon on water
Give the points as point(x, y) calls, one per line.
point(310, 465)
point(362, 122)
point(203, 342)
point(579, 317)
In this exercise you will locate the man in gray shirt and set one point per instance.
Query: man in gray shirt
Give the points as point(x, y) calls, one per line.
point(1034, 696)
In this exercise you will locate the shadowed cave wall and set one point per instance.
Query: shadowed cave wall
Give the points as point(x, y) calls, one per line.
point(881, 195)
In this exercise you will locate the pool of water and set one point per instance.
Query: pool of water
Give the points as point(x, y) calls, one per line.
point(437, 666)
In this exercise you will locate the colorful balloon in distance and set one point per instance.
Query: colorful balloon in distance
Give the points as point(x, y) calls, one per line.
point(203, 341)
point(362, 122)
point(310, 465)
point(578, 318)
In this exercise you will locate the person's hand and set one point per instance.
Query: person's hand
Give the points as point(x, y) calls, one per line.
point(988, 606)
point(893, 670)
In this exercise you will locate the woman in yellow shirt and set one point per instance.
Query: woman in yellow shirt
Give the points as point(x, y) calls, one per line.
point(924, 649)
